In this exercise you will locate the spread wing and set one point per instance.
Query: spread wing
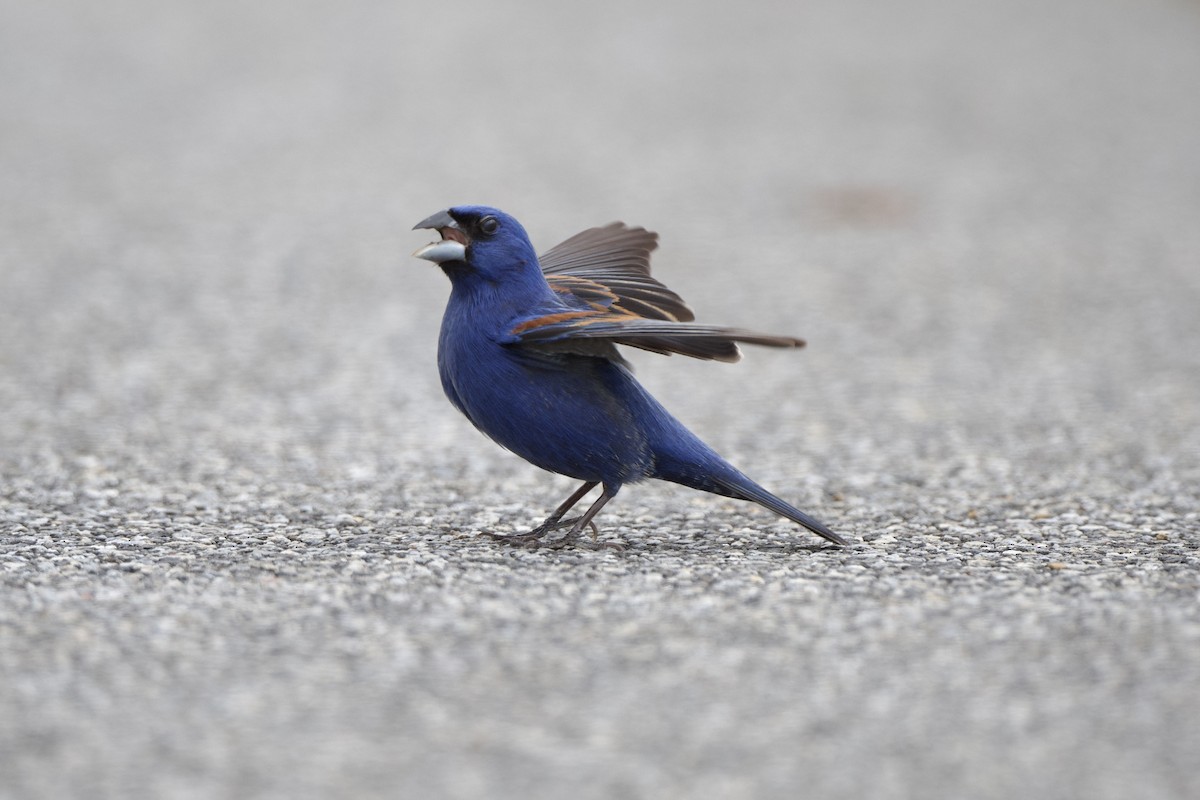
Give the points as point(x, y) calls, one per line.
point(609, 267)
point(603, 276)
point(581, 331)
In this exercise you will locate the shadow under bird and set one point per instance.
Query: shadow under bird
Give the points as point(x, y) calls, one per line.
point(528, 352)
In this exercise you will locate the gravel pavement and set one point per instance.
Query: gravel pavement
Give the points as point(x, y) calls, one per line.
point(239, 524)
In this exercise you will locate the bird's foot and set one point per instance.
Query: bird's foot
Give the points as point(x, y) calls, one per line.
point(537, 536)
point(573, 538)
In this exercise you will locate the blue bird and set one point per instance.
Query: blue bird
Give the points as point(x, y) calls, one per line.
point(528, 353)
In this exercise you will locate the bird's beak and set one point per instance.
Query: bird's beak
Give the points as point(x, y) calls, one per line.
point(452, 247)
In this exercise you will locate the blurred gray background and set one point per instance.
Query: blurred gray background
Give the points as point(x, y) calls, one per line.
point(239, 550)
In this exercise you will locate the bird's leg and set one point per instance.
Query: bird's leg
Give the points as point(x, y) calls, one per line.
point(586, 520)
point(552, 522)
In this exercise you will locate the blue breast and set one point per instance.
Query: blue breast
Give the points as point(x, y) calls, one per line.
point(565, 413)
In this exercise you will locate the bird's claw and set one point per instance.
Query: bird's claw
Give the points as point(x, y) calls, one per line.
point(536, 537)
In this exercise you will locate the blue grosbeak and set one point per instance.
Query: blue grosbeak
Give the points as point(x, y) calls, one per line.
point(528, 353)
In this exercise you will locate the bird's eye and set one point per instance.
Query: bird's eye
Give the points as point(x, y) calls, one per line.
point(489, 225)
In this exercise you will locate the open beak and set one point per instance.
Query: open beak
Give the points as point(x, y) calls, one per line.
point(452, 247)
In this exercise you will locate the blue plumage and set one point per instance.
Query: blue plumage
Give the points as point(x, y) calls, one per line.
point(527, 352)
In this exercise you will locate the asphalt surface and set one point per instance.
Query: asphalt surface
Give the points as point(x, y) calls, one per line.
point(239, 524)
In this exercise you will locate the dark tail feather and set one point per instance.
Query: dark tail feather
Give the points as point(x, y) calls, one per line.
point(746, 489)
point(682, 458)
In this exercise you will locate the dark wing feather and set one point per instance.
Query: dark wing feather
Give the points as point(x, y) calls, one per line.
point(603, 275)
point(579, 331)
point(609, 268)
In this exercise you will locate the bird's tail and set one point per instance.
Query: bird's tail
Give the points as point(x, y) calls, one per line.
point(743, 488)
point(703, 469)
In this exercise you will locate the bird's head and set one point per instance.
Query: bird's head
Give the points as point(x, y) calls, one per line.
point(480, 241)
